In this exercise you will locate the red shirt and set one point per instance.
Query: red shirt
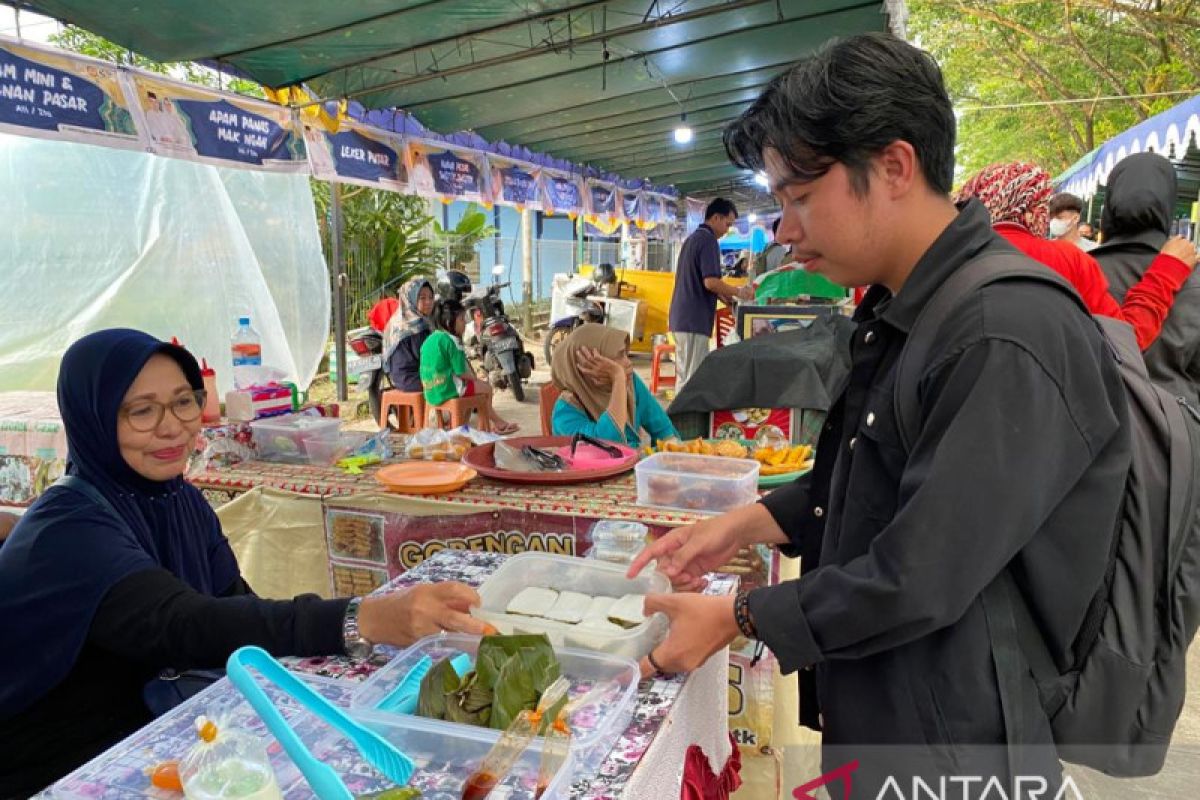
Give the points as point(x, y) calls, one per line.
point(1146, 303)
point(381, 312)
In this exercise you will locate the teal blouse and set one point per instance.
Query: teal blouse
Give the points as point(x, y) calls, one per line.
point(568, 420)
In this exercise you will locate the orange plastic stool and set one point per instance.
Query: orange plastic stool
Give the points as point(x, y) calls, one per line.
point(547, 397)
point(459, 410)
point(410, 409)
point(657, 379)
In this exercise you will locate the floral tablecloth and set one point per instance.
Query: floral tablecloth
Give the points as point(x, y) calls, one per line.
point(640, 758)
point(612, 499)
point(33, 445)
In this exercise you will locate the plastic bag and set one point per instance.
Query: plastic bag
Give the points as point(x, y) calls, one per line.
point(227, 764)
point(435, 444)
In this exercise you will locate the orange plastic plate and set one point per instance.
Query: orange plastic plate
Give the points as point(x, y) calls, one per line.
point(425, 477)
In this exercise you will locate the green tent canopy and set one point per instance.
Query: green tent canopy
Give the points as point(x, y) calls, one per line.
point(602, 82)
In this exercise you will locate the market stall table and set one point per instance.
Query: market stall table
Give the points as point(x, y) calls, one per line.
point(372, 537)
point(678, 721)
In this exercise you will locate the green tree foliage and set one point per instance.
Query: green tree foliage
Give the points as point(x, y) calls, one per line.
point(457, 245)
point(78, 40)
point(1005, 52)
point(386, 229)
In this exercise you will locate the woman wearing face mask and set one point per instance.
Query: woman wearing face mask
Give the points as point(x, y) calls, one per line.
point(1017, 195)
point(124, 572)
point(602, 396)
point(407, 330)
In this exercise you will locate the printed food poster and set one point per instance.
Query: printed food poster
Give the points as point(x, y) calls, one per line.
point(752, 423)
point(53, 95)
point(439, 171)
point(222, 129)
point(358, 155)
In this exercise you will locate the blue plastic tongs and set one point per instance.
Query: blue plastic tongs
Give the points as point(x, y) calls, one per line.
point(325, 783)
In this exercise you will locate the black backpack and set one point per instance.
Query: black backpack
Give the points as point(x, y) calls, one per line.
point(1116, 708)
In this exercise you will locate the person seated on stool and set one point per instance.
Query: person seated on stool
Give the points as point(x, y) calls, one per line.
point(445, 373)
point(123, 572)
point(406, 332)
point(601, 394)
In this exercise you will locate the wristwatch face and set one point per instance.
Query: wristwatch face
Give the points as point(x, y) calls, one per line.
point(359, 649)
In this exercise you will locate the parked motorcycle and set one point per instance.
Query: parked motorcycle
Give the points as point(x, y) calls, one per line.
point(493, 341)
point(366, 345)
point(581, 309)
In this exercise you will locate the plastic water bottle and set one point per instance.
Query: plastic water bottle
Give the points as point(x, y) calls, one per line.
point(246, 349)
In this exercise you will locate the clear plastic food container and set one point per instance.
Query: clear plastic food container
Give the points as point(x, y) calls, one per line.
point(283, 438)
point(617, 540)
point(595, 727)
point(696, 483)
point(587, 576)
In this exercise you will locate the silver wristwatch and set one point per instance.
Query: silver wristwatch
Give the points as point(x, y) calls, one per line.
point(356, 646)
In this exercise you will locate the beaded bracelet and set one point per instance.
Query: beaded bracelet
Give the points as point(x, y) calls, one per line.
point(741, 614)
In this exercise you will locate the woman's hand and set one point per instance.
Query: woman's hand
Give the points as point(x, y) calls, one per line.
point(700, 627)
point(598, 368)
point(400, 618)
point(1180, 248)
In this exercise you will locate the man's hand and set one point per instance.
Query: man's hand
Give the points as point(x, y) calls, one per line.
point(687, 554)
point(700, 627)
point(400, 618)
point(746, 292)
point(1180, 248)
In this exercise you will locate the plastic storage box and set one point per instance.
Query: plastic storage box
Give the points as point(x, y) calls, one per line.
point(617, 540)
point(445, 755)
point(696, 483)
point(283, 438)
point(588, 576)
point(595, 727)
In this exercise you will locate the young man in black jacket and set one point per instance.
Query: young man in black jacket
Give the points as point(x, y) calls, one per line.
point(1019, 463)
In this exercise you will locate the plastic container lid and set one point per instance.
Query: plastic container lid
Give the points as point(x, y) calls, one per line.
point(618, 531)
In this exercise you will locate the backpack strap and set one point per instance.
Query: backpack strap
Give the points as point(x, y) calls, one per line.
point(966, 280)
point(1017, 646)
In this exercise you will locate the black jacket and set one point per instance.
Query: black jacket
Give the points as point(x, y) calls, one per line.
point(146, 622)
point(1020, 463)
point(1138, 214)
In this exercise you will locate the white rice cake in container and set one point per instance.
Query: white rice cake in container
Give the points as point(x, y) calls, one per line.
point(532, 601)
point(600, 626)
point(570, 608)
point(627, 612)
point(599, 607)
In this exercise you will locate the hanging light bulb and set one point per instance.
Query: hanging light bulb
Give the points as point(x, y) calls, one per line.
point(683, 132)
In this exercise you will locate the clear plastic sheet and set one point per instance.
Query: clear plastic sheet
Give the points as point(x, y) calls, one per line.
point(96, 238)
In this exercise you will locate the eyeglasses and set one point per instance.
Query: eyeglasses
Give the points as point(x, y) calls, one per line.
point(146, 415)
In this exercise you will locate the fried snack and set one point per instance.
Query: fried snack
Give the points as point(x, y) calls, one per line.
point(729, 448)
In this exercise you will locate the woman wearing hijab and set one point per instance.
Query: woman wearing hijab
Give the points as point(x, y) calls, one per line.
point(407, 330)
point(601, 394)
point(120, 572)
point(1017, 195)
